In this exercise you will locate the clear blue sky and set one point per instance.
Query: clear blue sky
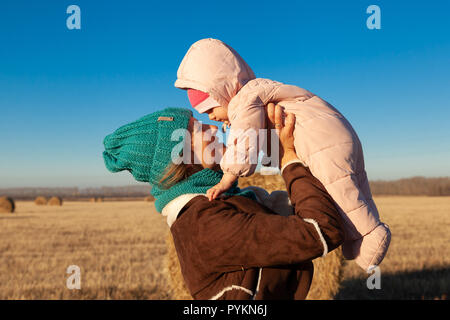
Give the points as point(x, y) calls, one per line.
point(62, 91)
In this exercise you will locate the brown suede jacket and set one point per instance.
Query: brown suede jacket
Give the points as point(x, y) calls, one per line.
point(236, 248)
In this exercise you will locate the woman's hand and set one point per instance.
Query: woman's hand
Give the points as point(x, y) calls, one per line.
point(284, 124)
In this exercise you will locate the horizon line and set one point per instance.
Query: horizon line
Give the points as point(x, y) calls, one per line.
point(145, 184)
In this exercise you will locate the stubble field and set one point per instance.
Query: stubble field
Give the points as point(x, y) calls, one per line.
point(121, 250)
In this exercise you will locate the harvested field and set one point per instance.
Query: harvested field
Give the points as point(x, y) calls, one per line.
point(120, 247)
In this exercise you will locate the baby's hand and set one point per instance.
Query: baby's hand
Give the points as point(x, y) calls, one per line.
point(215, 191)
point(226, 183)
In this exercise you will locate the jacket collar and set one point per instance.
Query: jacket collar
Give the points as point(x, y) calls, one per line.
point(277, 201)
point(173, 208)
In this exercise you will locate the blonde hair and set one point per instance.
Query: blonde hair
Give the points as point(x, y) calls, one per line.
point(175, 173)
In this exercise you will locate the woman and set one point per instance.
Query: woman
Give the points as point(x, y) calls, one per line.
point(233, 247)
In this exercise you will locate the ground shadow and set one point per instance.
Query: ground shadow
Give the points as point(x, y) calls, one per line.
point(423, 284)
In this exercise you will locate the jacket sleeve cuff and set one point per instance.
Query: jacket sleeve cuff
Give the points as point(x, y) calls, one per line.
point(293, 171)
point(289, 163)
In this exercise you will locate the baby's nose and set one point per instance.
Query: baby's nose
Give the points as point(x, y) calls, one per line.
point(211, 116)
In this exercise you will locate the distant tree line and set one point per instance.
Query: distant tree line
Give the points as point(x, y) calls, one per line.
point(76, 193)
point(409, 187)
point(416, 186)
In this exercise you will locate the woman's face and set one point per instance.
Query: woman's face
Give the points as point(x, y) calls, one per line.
point(205, 148)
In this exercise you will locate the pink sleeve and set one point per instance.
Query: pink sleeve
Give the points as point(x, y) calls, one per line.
point(244, 141)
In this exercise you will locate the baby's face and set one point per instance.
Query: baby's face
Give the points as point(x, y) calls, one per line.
point(218, 114)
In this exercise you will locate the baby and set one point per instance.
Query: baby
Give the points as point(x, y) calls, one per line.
point(219, 82)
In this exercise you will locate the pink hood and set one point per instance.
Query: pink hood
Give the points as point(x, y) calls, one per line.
point(213, 67)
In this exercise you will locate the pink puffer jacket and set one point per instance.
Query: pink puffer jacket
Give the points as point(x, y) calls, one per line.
point(324, 140)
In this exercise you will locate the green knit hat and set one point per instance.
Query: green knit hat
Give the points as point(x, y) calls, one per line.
point(144, 147)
